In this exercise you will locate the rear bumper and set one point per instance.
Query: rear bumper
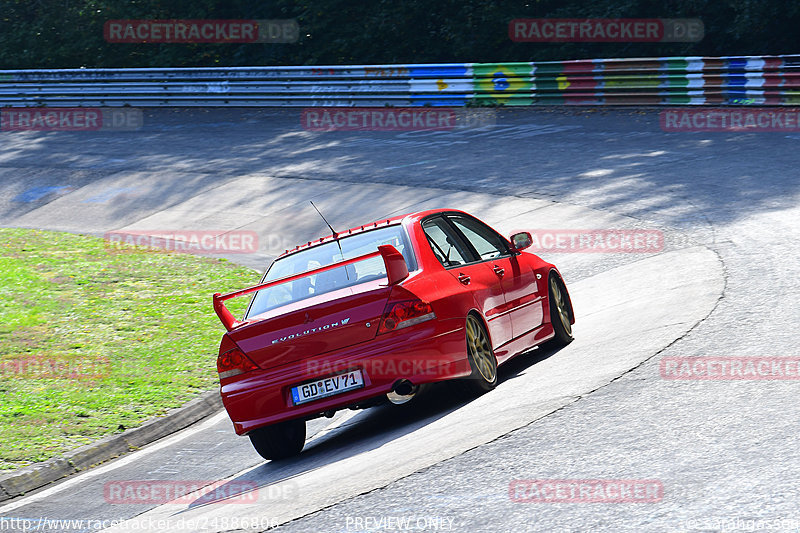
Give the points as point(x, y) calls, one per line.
point(425, 353)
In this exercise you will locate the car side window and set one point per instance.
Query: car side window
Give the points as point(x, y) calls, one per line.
point(445, 246)
point(487, 242)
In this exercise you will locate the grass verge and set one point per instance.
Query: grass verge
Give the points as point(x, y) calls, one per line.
point(96, 338)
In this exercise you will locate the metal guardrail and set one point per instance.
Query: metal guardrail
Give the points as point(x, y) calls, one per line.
point(745, 80)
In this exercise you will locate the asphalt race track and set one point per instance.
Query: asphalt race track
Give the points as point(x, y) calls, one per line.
point(725, 284)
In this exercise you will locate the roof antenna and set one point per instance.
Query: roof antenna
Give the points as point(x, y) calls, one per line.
point(335, 236)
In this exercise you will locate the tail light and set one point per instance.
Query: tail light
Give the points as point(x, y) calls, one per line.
point(234, 362)
point(399, 315)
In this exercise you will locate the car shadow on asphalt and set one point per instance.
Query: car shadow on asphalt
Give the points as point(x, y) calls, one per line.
point(367, 430)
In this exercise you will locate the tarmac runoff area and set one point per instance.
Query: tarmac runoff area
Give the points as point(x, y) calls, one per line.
point(722, 448)
point(658, 296)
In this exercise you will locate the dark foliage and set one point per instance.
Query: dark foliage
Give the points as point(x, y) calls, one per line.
point(69, 33)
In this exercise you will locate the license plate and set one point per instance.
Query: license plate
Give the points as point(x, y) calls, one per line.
point(327, 387)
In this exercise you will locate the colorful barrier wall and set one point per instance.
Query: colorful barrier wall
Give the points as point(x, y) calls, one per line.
point(749, 80)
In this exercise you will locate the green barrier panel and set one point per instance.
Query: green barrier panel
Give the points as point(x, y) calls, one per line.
point(503, 82)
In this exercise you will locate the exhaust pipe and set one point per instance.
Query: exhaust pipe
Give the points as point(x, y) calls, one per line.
point(402, 392)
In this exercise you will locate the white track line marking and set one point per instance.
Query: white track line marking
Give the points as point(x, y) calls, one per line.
point(95, 472)
point(81, 477)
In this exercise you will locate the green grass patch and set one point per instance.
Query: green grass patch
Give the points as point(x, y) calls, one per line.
point(95, 339)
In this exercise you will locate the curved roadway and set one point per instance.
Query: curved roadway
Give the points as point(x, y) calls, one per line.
point(598, 409)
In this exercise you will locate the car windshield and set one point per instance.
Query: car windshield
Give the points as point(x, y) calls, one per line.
point(317, 256)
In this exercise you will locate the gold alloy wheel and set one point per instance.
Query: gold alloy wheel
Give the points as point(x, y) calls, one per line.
point(480, 350)
point(561, 308)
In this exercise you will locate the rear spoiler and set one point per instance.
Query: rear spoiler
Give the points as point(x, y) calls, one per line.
point(396, 271)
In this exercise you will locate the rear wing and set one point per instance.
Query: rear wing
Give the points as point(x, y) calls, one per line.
point(396, 271)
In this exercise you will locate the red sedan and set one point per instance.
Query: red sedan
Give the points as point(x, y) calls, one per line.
point(377, 311)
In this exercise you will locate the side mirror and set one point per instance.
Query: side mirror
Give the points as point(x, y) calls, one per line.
point(521, 240)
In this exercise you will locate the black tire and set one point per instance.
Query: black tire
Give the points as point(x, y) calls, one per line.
point(560, 313)
point(481, 359)
point(279, 441)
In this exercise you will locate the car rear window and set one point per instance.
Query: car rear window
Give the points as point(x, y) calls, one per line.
point(337, 278)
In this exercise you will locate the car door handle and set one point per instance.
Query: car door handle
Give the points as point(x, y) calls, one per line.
point(499, 271)
point(463, 278)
